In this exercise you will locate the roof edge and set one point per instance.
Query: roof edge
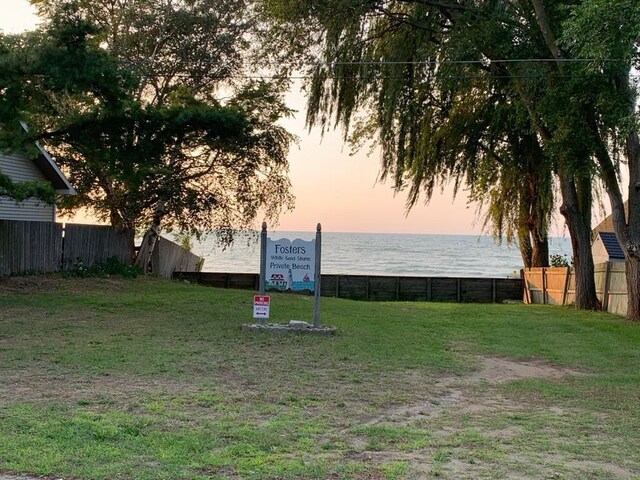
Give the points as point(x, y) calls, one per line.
point(60, 181)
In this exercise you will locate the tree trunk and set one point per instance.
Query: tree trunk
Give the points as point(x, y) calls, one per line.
point(632, 271)
point(536, 197)
point(540, 250)
point(534, 249)
point(625, 225)
point(545, 28)
point(526, 249)
point(576, 209)
point(150, 239)
point(632, 246)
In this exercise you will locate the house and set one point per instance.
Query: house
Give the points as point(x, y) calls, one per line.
point(604, 243)
point(605, 248)
point(20, 168)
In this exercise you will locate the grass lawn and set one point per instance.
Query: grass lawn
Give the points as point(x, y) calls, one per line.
point(148, 379)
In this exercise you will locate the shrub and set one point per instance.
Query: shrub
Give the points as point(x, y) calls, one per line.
point(560, 261)
point(111, 266)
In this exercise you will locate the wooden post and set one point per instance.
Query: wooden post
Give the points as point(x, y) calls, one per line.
point(429, 290)
point(566, 286)
point(544, 286)
point(458, 290)
point(607, 287)
point(397, 288)
point(493, 290)
point(263, 257)
point(318, 277)
point(525, 285)
point(367, 287)
point(263, 263)
point(337, 286)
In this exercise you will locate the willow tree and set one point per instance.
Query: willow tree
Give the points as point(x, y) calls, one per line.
point(516, 188)
point(395, 59)
point(437, 116)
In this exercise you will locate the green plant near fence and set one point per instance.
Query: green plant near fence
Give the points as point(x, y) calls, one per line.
point(111, 267)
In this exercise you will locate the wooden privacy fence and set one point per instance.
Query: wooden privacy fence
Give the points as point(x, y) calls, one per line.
point(378, 287)
point(30, 247)
point(94, 244)
point(169, 257)
point(556, 286)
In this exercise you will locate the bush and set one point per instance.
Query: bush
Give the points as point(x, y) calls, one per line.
point(560, 261)
point(112, 266)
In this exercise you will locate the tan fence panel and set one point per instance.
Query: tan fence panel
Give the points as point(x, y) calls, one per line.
point(169, 257)
point(548, 285)
point(94, 244)
point(617, 291)
point(601, 272)
point(27, 247)
point(555, 283)
point(534, 283)
point(543, 286)
point(570, 298)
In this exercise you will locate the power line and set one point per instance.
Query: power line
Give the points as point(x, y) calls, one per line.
point(484, 62)
point(381, 77)
point(487, 61)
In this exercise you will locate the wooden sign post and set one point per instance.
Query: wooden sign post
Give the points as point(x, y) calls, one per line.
point(291, 266)
point(316, 292)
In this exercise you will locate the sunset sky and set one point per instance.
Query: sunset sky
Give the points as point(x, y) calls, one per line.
point(331, 187)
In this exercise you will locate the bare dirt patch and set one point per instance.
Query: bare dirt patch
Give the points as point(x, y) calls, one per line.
point(495, 370)
point(118, 388)
point(467, 396)
point(591, 467)
point(461, 392)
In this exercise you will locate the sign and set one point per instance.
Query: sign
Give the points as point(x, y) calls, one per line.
point(290, 265)
point(261, 305)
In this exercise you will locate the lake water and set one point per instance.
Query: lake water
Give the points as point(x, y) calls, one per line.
point(383, 254)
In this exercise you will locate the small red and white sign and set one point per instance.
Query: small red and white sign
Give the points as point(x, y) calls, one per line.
point(261, 304)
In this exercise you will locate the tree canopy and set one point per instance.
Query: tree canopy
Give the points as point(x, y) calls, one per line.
point(147, 132)
point(447, 88)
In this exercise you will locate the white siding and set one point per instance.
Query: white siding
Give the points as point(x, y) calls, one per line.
point(598, 251)
point(21, 169)
point(29, 210)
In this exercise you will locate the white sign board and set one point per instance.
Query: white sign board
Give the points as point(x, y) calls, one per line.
point(290, 265)
point(261, 305)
